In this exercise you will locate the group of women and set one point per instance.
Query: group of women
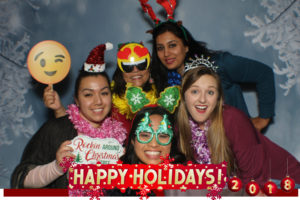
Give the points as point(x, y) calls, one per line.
point(210, 125)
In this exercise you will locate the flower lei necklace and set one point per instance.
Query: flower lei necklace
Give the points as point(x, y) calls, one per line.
point(199, 142)
point(110, 128)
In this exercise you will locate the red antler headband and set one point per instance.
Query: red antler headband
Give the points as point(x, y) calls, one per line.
point(148, 9)
point(168, 5)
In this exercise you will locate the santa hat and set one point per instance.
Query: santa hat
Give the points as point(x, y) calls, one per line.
point(95, 61)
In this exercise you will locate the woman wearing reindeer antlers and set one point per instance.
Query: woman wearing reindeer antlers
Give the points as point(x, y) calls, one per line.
point(173, 45)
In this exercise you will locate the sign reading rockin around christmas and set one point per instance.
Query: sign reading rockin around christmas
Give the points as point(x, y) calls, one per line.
point(93, 150)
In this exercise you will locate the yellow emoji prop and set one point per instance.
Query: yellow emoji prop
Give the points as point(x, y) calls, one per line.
point(133, 54)
point(48, 62)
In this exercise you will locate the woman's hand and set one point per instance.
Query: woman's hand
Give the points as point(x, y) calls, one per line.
point(64, 151)
point(260, 123)
point(51, 100)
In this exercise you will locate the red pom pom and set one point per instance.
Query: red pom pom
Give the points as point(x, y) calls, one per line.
point(235, 184)
point(123, 190)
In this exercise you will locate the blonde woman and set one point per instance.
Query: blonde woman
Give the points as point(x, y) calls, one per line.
point(211, 132)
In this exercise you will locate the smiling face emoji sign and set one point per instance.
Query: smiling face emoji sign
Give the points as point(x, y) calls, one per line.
point(48, 62)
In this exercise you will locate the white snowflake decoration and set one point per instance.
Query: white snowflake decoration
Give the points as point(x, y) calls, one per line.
point(169, 100)
point(280, 30)
point(136, 98)
point(15, 117)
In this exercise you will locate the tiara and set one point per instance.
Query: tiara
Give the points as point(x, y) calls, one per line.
point(199, 61)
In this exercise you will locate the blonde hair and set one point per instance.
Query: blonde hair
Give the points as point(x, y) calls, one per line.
point(217, 141)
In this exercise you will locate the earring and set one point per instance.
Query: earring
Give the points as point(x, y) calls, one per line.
point(151, 81)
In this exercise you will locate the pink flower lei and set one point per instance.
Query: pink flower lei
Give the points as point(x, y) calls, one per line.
point(199, 142)
point(110, 128)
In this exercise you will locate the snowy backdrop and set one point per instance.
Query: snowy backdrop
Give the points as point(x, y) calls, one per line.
point(265, 30)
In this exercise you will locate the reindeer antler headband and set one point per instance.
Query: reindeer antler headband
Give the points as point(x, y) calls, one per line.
point(169, 6)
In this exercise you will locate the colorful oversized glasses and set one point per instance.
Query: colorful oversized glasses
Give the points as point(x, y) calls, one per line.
point(145, 133)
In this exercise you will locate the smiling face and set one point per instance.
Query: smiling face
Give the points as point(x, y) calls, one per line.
point(49, 62)
point(150, 153)
point(171, 51)
point(136, 77)
point(201, 98)
point(134, 60)
point(94, 99)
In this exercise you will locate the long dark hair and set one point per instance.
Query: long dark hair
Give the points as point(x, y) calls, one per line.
point(195, 48)
point(82, 74)
point(130, 156)
point(119, 86)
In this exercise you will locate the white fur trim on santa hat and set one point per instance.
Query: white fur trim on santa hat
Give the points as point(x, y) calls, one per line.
point(94, 68)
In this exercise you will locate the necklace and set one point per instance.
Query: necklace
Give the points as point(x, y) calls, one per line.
point(110, 128)
point(199, 142)
point(174, 78)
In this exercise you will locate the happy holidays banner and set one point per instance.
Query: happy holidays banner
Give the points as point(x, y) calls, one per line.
point(162, 176)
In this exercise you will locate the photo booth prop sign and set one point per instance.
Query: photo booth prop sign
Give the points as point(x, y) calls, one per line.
point(94, 150)
point(48, 62)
